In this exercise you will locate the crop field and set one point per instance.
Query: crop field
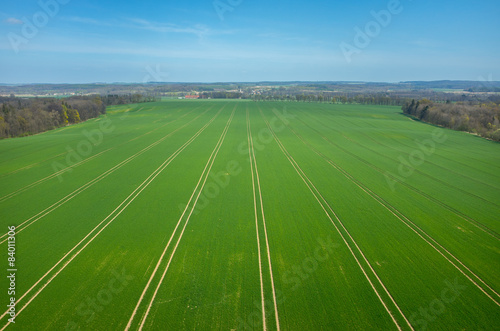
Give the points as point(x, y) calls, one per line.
point(241, 215)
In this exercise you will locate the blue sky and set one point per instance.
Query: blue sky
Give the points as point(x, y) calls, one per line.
point(81, 41)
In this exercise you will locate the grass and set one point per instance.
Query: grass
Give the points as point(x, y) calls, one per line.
point(348, 217)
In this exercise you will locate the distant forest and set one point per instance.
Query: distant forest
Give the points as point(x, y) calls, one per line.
point(27, 116)
point(479, 118)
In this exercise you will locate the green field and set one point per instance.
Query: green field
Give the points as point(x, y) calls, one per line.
point(225, 215)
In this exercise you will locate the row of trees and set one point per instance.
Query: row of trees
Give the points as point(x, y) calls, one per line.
point(372, 99)
point(27, 116)
point(221, 95)
point(370, 93)
point(123, 99)
point(480, 118)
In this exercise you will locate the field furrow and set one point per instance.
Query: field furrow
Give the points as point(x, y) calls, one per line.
point(241, 215)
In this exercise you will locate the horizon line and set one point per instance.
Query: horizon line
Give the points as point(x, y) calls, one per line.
point(253, 82)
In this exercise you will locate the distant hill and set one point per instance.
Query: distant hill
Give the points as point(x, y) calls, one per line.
point(455, 84)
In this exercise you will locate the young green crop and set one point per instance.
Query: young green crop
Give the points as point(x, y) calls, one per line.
point(364, 219)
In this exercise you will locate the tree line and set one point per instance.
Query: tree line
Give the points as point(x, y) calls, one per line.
point(27, 116)
point(124, 99)
point(479, 118)
point(366, 99)
point(221, 95)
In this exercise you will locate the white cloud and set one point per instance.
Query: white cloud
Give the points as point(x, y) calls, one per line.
point(84, 20)
point(13, 21)
point(198, 29)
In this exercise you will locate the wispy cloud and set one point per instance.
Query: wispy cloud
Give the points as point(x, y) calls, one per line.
point(199, 30)
point(423, 42)
point(13, 21)
point(84, 20)
point(270, 35)
point(284, 37)
point(210, 51)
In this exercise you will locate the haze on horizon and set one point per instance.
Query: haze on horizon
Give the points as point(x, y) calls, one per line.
point(79, 41)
